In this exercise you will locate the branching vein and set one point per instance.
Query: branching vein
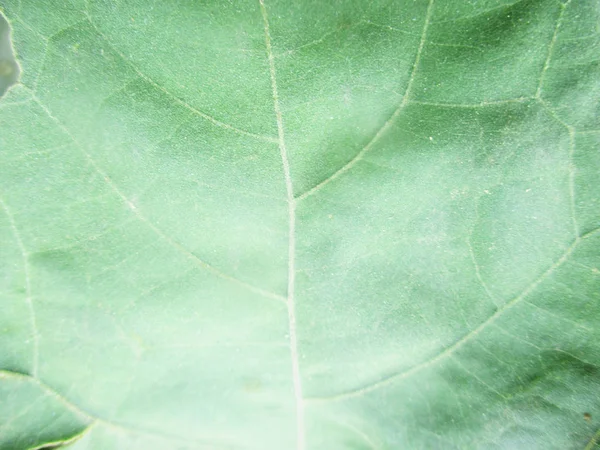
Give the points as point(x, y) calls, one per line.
point(174, 97)
point(141, 217)
point(478, 273)
point(405, 99)
point(462, 341)
point(571, 160)
point(563, 7)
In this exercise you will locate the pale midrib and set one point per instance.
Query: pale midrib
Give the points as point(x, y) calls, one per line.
point(293, 338)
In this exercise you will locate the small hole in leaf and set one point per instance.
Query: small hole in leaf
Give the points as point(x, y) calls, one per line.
point(587, 416)
point(9, 69)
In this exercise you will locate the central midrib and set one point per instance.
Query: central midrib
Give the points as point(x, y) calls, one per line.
point(291, 200)
point(291, 308)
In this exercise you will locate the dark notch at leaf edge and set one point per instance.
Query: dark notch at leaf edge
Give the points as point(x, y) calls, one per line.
point(64, 442)
point(59, 443)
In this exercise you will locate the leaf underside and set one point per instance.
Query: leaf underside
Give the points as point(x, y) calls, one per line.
point(300, 225)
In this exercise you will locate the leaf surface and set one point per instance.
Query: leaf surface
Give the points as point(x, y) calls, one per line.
point(301, 225)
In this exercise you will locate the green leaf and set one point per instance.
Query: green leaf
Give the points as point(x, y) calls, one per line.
point(301, 225)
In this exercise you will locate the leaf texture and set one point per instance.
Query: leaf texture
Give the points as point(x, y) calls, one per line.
point(300, 225)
